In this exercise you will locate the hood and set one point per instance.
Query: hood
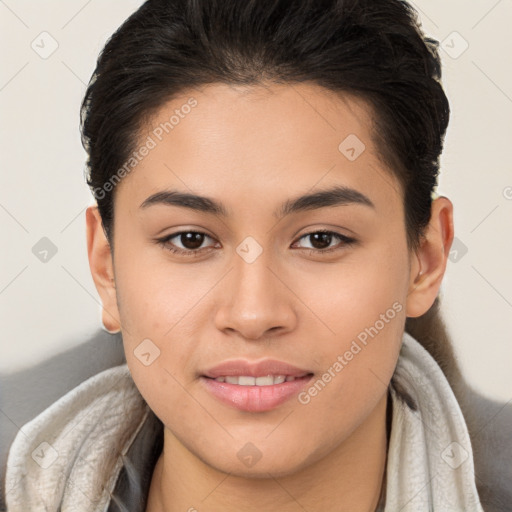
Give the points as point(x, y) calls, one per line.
point(59, 459)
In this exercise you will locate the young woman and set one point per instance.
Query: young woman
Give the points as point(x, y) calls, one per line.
point(268, 240)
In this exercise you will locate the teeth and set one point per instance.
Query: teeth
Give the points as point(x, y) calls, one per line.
point(246, 380)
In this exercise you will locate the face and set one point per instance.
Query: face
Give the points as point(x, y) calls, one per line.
point(254, 285)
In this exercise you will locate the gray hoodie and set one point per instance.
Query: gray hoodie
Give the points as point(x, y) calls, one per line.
point(57, 462)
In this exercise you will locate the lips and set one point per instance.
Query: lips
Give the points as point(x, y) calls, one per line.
point(255, 386)
point(247, 380)
point(263, 368)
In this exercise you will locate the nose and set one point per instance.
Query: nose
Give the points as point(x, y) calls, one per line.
point(255, 301)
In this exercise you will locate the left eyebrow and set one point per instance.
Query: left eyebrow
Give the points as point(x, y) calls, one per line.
point(335, 196)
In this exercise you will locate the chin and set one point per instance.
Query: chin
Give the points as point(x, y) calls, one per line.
point(260, 471)
point(253, 464)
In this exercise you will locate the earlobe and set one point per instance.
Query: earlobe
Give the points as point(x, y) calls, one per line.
point(102, 271)
point(430, 260)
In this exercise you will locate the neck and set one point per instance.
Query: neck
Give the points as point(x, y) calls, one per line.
point(351, 477)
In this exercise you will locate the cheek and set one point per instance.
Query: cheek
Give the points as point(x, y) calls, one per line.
point(158, 311)
point(357, 367)
point(352, 294)
point(363, 307)
point(154, 294)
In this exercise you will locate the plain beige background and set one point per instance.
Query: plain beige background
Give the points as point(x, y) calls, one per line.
point(49, 51)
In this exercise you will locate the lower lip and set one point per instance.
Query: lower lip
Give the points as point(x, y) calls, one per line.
point(255, 398)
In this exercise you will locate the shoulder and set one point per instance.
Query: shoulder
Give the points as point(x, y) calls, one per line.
point(28, 391)
point(489, 424)
point(67, 449)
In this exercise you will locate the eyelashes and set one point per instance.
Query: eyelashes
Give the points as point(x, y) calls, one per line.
point(198, 238)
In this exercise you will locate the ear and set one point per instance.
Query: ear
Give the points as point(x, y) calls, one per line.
point(428, 263)
point(102, 269)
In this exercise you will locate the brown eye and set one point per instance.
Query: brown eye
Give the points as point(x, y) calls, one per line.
point(321, 241)
point(191, 242)
point(191, 239)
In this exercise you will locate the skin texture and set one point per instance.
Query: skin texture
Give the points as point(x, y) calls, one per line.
point(252, 149)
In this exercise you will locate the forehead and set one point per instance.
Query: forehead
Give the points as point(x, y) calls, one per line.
point(222, 139)
point(298, 114)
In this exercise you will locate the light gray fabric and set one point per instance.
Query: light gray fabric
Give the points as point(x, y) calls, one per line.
point(430, 464)
point(490, 428)
point(26, 394)
point(430, 457)
point(57, 460)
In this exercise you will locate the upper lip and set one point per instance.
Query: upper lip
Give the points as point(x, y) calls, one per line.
point(237, 367)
